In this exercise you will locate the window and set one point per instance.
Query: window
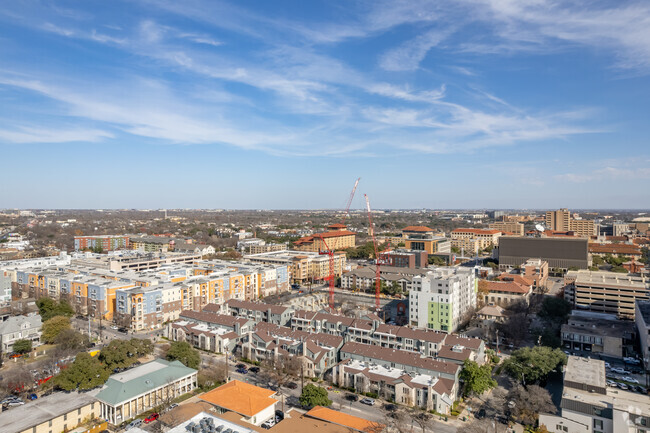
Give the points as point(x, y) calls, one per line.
point(598, 424)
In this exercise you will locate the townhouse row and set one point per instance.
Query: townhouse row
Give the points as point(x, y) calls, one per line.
point(409, 366)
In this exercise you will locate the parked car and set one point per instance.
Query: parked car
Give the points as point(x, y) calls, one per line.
point(620, 370)
point(123, 330)
point(630, 379)
point(622, 386)
point(134, 423)
point(172, 406)
point(240, 366)
point(268, 423)
point(151, 418)
point(241, 371)
point(279, 415)
point(32, 396)
point(115, 327)
point(254, 370)
point(641, 389)
point(292, 385)
point(607, 365)
point(352, 397)
point(390, 407)
point(367, 400)
point(631, 360)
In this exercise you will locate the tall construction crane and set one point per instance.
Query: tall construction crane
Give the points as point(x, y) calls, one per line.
point(347, 207)
point(331, 278)
point(377, 258)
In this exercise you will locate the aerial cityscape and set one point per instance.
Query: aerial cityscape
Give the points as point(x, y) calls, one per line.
point(371, 217)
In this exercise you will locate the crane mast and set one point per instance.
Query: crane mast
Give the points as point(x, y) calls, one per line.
point(347, 207)
point(377, 261)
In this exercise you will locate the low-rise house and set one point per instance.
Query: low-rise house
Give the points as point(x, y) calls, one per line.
point(20, 328)
point(504, 293)
point(253, 403)
point(258, 311)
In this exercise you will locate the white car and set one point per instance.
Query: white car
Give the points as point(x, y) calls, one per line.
point(620, 370)
point(630, 379)
point(607, 365)
point(114, 327)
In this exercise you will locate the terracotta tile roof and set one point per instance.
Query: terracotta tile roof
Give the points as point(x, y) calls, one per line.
point(333, 234)
point(417, 229)
point(505, 286)
point(614, 249)
point(345, 420)
point(336, 226)
point(516, 278)
point(240, 397)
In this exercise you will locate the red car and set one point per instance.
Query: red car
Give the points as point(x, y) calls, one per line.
point(151, 418)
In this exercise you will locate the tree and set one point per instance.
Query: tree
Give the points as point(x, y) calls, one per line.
point(86, 372)
point(515, 328)
point(528, 402)
point(313, 395)
point(53, 327)
point(554, 310)
point(71, 340)
point(183, 352)
point(49, 308)
point(22, 346)
point(477, 378)
point(123, 353)
point(532, 365)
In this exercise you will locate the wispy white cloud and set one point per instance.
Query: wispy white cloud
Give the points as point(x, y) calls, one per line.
point(408, 56)
point(40, 134)
point(631, 172)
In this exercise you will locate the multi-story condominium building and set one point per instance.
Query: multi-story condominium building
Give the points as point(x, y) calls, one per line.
point(20, 328)
point(440, 299)
point(598, 333)
point(537, 271)
point(474, 240)
point(606, 292)
point(364, 278)
point(403, 258)
point(132, 260)
point(336, 238)
point(106, 242)
point(642, 321)
point(127, 395)
point(420, 238)
point(589, 405)
point(245, 244)
point(267, 248)
point(562, 253)
point(150, 244)
point(562, 221)
point(257, 311)
point(303, 266)
point(516, 228)
point(5, 287)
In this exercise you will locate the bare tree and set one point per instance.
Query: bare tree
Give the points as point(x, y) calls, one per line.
point(422, 419)
point(529, 402)
point(483, 426)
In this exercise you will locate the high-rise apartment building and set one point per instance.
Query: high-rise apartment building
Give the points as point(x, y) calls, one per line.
point(515, 228)
point(441, 298)
point(561, 220)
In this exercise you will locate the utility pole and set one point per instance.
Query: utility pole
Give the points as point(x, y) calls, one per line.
point(90, 337)
point(302, 377)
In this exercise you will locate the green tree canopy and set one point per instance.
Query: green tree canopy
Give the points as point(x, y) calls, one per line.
point(123, 353)
point(532, 365)
point(86, 372)
point(22, 346)
point(69, 339)
point(53, 327)
point(313, 395)
point(49, 308)
point(183, 352)
point(554, 310)
point(477, 378)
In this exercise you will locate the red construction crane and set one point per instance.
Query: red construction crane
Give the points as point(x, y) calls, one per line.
point(377, 259)
point(347, 207)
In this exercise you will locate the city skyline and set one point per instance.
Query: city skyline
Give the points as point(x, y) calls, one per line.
point(470, 105)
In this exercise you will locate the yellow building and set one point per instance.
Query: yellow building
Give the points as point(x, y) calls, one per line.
point(474, 240)
point(515, 228)
point(560, 220)
point(55, 413)
point(336, 238)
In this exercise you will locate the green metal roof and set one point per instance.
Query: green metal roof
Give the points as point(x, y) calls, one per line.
point(129, 384)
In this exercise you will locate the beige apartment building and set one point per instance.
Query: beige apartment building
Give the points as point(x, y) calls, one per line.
point(474, 240)
point(516, 228)
point(337, 237)
point(268, 248)
point(561, 220)
point(304, 266)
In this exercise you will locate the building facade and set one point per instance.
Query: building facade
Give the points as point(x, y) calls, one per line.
point(562, 221)
point(420, 238)
point(516, 228)
point(562, 253)
point(474, 240)
point(20, 328)
point(441, 299)
point(336, 238)
point(106, 243)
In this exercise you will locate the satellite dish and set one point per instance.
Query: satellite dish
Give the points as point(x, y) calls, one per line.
point(540, 228)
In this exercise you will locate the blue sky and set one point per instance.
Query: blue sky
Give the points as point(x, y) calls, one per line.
point(283, 104)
